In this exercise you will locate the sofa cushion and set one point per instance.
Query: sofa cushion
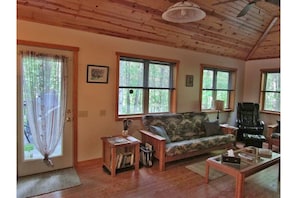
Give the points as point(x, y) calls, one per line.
point(199, 144)
point(169, 122)
point(212, 128)
point(159, 130)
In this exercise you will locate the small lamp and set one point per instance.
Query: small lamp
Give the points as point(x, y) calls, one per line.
point(219, 106)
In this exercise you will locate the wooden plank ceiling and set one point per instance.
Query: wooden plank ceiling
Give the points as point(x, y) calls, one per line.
point(253, 36)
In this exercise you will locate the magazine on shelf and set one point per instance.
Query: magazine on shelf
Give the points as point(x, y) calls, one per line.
point(118, 140)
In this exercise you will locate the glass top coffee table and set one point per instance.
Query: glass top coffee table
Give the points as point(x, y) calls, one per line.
point(250, 163)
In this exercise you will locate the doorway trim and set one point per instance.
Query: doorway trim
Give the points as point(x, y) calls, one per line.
point(74, 50)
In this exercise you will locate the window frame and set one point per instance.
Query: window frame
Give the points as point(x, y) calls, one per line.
point(231, 89)
point(262, 93)
point(172, 89)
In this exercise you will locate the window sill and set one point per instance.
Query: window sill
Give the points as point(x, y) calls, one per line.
point(270, 112)
point(215, 111)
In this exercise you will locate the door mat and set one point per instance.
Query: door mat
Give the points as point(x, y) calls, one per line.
point(43, 183)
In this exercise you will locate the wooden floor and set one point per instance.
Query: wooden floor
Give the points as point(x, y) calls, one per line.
point(176, 182)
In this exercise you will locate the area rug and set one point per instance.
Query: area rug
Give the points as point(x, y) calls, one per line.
point(199, 168)
point(42, 183)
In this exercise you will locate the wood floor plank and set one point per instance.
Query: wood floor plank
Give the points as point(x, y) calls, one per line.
point(176, 181)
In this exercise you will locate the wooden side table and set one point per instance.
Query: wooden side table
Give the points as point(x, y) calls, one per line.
point(228, 129)
point(112, 145)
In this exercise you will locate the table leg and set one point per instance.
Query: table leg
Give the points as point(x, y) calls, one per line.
point(206, 172)
point(279, 171)
point(239, 187)
point(113, 161)
point(136, 154)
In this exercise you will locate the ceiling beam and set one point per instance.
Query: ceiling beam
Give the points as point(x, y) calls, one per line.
point(263, 36)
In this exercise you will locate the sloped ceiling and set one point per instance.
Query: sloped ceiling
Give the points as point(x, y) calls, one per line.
point(253, 36)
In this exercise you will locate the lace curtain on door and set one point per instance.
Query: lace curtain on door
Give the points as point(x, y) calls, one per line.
point(44, 92)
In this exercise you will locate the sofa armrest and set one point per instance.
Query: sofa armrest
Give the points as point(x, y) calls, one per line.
point(158, 143)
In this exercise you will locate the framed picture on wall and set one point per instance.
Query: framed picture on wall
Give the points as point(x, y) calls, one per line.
point(189, 80)
point(97, 74)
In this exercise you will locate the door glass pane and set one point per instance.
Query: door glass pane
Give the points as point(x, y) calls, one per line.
point(30, 150)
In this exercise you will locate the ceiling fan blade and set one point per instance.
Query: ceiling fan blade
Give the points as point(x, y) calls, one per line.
point(246, 9)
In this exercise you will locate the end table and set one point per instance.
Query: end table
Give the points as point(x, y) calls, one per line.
point(113, 144)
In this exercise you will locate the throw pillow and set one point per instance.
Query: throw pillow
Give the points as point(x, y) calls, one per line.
point(212, 128)
point(159, 130)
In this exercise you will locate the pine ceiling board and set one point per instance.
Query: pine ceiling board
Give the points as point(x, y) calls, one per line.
point(234, 23)
point(222, 43)
point(237, 31)
point(270, 8)
point(117, 12)
point(57, 6)
point(251, 22)
point(265, 53)
point(220, 32)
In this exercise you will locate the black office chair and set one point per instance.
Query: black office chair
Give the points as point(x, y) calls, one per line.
point(250, 127)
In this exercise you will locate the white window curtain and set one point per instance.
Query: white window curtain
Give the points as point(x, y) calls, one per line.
point(45, 92)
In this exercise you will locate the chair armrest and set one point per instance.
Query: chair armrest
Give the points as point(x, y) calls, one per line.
point(261, 123)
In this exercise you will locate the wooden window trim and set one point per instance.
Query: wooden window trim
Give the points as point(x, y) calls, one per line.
point(232, 93)
point(261, 95)
point(173, 99)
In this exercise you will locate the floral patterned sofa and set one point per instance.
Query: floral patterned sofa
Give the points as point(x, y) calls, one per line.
point(181, 135)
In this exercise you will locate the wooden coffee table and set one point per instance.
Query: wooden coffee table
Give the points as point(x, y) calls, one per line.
point(246, 168)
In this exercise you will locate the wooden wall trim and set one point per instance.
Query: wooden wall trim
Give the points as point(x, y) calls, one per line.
point(263, 36)
point(47, 45)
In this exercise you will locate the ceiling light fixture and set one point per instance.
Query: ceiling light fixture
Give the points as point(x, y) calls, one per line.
point(183, 12)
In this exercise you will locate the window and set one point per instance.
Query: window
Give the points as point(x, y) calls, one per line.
point(145, 86)
point(217, 84)
point(270, 90)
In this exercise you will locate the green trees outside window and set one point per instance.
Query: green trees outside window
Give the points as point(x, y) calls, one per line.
point(217, 84)
point(144, 86)
point(270, 90)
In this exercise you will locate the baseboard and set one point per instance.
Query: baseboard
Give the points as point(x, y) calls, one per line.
point(97, 161)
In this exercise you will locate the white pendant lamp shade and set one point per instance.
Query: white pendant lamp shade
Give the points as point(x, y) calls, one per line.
point(183, 12)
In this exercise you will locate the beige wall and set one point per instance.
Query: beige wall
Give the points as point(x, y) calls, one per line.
point(251, 83)
point(94, 99)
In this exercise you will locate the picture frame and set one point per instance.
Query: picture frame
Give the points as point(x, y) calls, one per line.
point(189, 80)
point(97, 74)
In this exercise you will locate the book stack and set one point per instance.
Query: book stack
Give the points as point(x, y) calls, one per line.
point(124, 160)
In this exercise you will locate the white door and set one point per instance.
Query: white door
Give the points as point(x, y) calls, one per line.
point(29, 160)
